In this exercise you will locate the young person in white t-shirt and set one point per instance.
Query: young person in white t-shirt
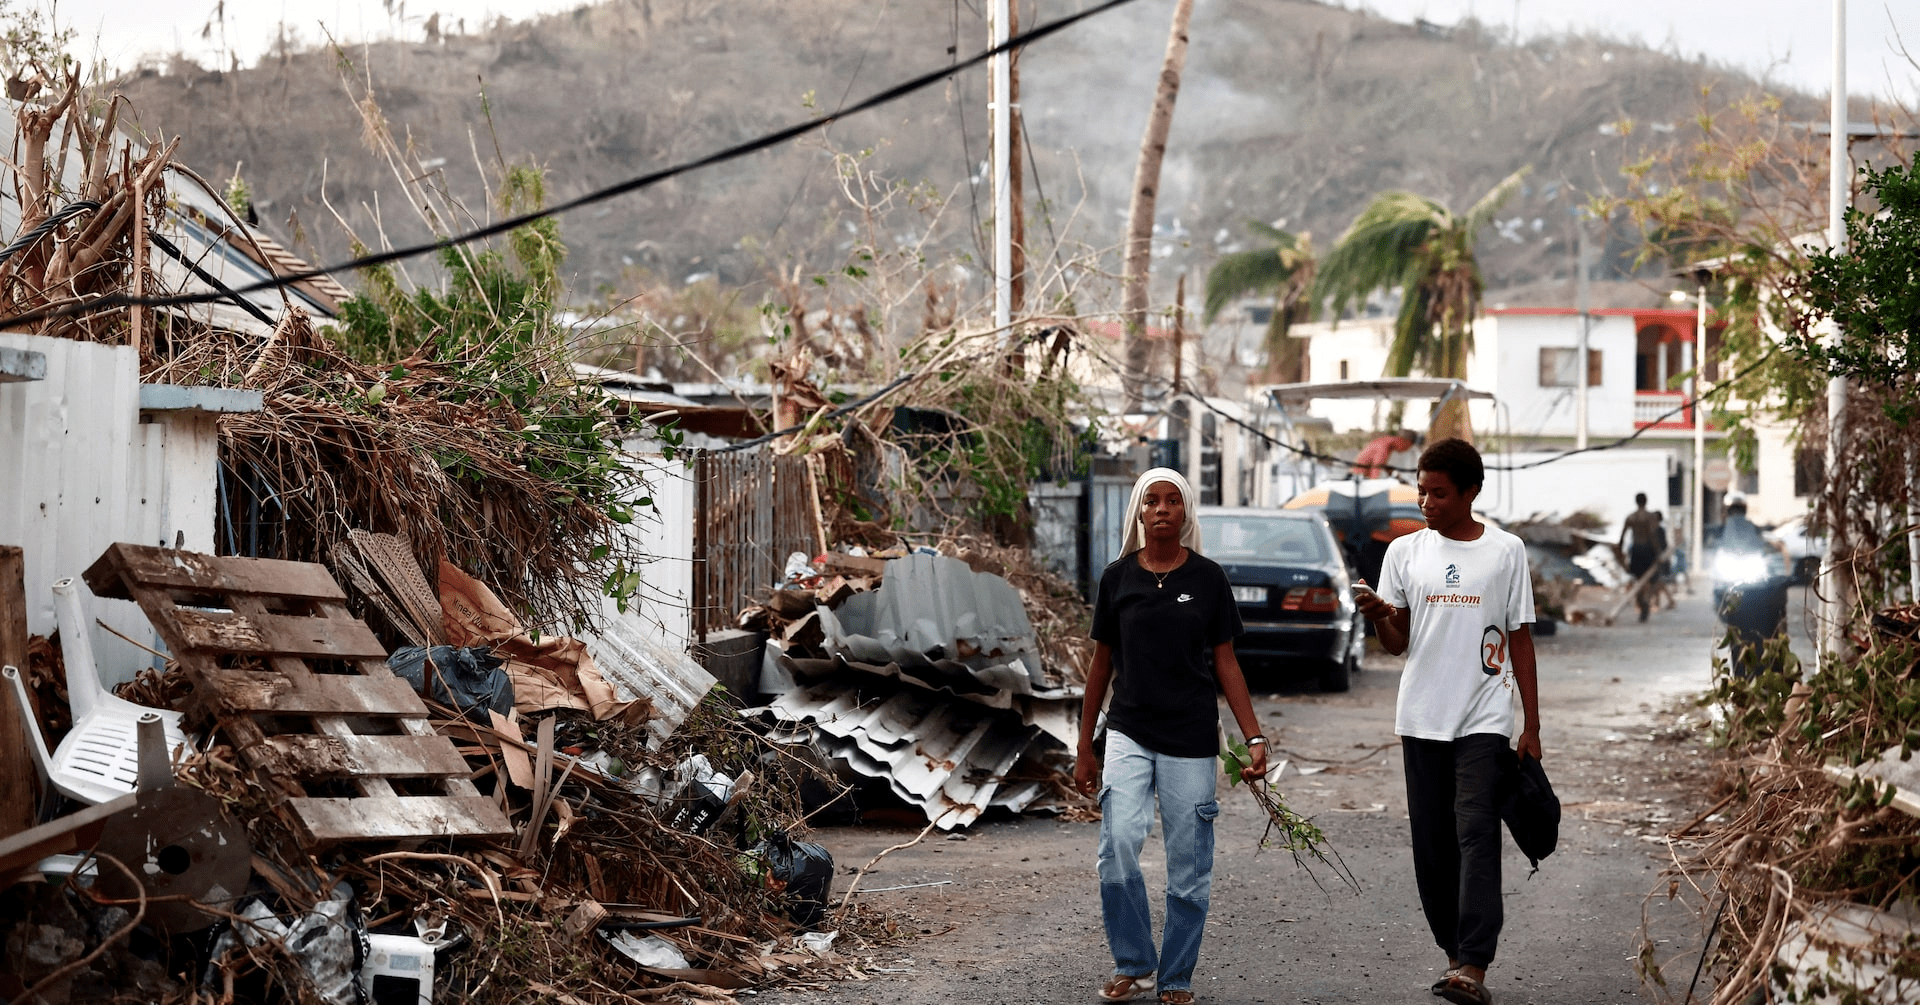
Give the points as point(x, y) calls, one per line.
point(1457, 599)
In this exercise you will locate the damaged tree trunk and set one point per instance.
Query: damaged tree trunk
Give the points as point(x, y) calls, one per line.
point(1146, 186)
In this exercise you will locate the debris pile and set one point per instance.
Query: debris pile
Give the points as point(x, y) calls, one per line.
point(1802, 871)
point(323, 827)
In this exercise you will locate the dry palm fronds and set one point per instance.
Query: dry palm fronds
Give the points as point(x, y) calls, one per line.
point(424, 451)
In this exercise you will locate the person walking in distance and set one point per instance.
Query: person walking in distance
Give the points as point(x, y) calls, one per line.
point(1456, 598)
point(1642, 537)
point(1162, 609)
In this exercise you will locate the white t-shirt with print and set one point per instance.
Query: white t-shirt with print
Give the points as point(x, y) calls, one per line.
point(1465, 599)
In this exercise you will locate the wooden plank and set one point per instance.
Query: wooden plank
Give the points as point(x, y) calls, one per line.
point(16, 761)
point(392, 560)
point(278, 635)
point(235, 692)
point(124, 566)
point(325, 821)
point(61, 836)
point(348, 755)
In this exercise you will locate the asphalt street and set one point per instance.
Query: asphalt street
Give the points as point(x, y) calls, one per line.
point(1017, 915)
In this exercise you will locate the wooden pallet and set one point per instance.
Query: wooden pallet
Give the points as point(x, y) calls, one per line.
point(302, 689)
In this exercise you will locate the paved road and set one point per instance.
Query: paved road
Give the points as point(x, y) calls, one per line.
point(1019, 920)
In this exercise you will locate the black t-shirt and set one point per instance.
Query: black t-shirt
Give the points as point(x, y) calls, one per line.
point(1161, 633)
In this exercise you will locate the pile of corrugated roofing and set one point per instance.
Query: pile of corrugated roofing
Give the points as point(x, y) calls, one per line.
point(932, 681)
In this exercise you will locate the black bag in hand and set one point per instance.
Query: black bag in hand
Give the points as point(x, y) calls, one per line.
point(1529, 807)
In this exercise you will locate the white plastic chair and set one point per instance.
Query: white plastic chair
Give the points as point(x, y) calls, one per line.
point(100, 758)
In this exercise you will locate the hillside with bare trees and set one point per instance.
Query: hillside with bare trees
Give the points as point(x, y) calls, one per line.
point(1291, 111)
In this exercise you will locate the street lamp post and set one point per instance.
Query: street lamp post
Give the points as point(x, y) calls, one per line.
point(1838, 195)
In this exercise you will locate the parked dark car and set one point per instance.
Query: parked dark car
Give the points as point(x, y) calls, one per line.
point(1291, 583)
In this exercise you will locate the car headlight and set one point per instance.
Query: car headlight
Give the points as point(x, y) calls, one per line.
point(1739, 567)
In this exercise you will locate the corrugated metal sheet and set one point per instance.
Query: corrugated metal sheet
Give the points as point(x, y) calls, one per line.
point(937, 620)
point(948, 758)
point(74, 478)
point(81, 467)
point(639, 664)
point(1106, 524)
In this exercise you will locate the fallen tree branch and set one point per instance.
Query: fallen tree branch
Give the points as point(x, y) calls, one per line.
point(858, 876)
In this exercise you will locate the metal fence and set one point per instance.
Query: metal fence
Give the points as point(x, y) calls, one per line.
point(751, 510)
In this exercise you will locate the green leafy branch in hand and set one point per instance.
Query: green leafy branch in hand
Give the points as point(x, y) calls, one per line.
point(1297, 834)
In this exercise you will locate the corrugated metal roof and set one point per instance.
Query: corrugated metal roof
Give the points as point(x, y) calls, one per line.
point(948, 758)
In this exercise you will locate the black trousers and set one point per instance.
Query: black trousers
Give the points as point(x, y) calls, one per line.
point(1453, 804)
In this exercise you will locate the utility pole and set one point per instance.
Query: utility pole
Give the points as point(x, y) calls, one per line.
point(1584, 297)
point(1179, 329)
point(1016, 169)
point(1839, 194)
point(1696, 557)
point(1001, 105)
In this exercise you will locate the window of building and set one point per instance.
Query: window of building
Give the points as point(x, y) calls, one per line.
point(1809, 471)
point(1343, 369)
point(1559, 367)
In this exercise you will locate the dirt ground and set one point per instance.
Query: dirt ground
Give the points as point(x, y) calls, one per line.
point(1017, 915)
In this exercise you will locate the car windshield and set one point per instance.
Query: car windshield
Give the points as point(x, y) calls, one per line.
point(1262, 538)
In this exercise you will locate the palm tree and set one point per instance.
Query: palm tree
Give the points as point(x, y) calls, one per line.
point(1426, 250)
point(1284, 268)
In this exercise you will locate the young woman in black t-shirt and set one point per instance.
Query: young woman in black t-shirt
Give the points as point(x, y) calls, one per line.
point(1161, 608)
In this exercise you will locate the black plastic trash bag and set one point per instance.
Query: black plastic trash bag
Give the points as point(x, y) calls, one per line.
point(1529, 807)
point(806, 870)
point(477, 678)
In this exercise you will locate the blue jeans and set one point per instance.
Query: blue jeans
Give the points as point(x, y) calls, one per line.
point(1130, 780)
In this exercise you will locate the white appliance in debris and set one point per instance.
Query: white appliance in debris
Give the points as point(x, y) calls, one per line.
point(399, 970)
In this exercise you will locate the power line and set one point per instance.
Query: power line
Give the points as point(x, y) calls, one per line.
point(118, 300)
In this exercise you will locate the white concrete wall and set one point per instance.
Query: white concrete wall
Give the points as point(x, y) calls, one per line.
point(1774, 454)
point(664, 532)
point(1360, 342)
point(1602, 482)
point(1507, 362)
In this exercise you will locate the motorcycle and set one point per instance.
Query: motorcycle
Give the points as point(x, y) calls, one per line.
point(1750, 597)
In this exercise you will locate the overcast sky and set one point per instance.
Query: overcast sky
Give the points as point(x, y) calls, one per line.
point(1790, 40)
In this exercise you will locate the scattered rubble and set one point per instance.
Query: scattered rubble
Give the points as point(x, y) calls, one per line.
point(401, 842)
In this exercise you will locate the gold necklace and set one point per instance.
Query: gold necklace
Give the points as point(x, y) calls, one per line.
point(1160, 578)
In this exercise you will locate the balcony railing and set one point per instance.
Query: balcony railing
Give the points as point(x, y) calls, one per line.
point(1656, 409)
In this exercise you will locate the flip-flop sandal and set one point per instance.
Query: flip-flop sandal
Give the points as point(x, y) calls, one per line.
point(1441, 984)
point(1122, 988)
point(1463, 990)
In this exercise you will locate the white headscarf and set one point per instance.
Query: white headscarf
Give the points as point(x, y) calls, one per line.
point(1135, 537)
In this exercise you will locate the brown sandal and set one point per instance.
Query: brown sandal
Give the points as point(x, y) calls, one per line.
point(1463, 990)
point(1122, 988)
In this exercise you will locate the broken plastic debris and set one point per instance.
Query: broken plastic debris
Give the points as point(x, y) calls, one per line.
point(818, 943)
point(326, 942)
point(651, 951)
